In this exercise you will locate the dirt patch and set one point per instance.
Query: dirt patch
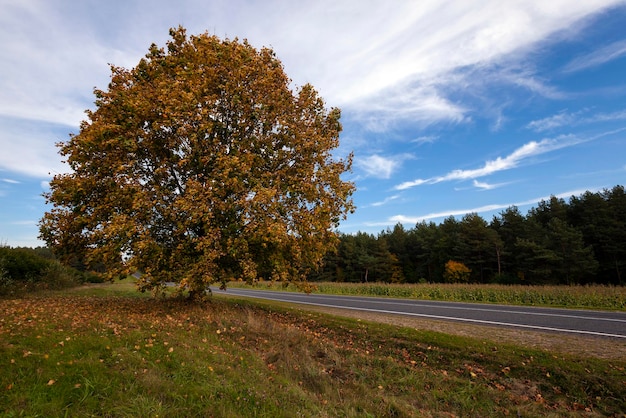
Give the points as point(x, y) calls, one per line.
point(589, 346)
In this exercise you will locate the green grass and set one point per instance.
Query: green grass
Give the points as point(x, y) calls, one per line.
point(107, 351)
point(583, 297)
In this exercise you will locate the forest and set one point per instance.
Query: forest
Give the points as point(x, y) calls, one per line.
point(576, 242)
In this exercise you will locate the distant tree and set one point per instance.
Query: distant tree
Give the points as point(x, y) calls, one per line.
point(575, 263)
point(601, 217)
point(366, 263)
point(547, 210)
point(448, 245)
point(554, 253)
point(510, 225)
point(200, 165)
point(456, 272)
point(402, 245)
point(429, 253)
point(385, 264)
point(616, 198)
point(480, 246)
point(536, 262)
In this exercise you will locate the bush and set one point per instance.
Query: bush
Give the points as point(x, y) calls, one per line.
point(456, 272)
point(26, 269)
point(21, 264)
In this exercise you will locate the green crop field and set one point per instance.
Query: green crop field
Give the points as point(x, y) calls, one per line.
point(586, 297)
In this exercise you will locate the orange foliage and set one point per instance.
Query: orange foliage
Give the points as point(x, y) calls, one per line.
point(456, 272)
point(201, 165)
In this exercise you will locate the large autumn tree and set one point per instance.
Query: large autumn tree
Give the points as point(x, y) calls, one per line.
point(198, 166)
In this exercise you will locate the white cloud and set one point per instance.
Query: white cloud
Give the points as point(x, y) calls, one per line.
point(385, 201)
point(417, 42)
point(410, 184)
point(404, 219)
point(415, 67)
point(29, 148)
point(378, 166)
point(415, 219)
point(551, 122)
point(427, 139)
point(606, 117)
point(10, 181)
point(512, 160)
point(566, 119)
point(27, 223)
point(421, 105)
point(534, 84)
point(361, 49)
point(486, 186)
point(51, 66)
point(383, 63)
point(601, 56)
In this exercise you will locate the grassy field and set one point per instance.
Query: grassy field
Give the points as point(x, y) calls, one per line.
point(585, 297)
point(108, 351)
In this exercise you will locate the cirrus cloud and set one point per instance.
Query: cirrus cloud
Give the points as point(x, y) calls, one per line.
point(512, 160)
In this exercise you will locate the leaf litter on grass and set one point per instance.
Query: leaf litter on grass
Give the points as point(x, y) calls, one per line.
point(224, 358)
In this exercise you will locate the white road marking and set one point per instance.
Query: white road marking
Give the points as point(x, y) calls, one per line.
point(467, 308)
point(478, 321)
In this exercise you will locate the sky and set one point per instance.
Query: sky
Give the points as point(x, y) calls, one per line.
point(449, 107)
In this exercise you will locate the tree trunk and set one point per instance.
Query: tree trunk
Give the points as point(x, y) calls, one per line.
point(498, 256)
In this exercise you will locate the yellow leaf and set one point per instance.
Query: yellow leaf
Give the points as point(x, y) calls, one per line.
point(277, 186)
point(51, 382)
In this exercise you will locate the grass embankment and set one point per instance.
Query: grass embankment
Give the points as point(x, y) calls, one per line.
point(585, 297)
point(108, 352)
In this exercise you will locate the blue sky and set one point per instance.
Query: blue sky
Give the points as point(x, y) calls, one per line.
point(450, 107)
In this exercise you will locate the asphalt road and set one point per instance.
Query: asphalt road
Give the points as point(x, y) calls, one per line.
point(579, 322)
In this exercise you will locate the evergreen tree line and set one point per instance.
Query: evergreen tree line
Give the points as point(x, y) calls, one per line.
point(580, 241)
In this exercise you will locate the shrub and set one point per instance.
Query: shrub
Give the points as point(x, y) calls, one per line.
point(27, 269)
point(456, 272)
